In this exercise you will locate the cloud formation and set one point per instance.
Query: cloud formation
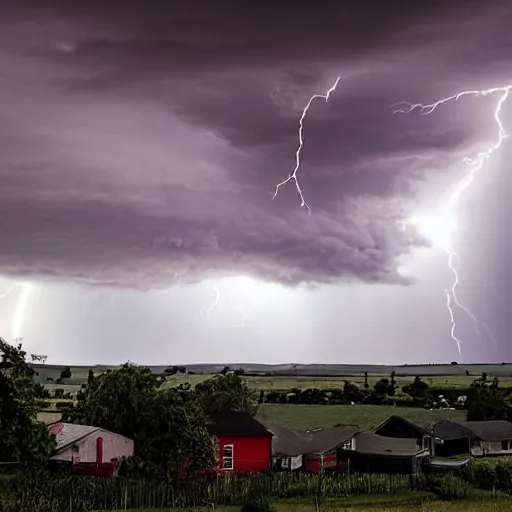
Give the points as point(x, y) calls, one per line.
point(142, 150)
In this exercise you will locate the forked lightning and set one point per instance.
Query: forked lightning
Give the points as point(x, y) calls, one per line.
point(293, 175)
point(475, 164)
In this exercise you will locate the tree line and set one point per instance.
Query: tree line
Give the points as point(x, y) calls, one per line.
point(168, 425)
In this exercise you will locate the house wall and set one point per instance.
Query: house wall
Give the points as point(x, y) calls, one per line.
point(251, 454)
point(396, 428)
point(386, 465)
point(113, 446)
point(483, 448)
point(315, 462)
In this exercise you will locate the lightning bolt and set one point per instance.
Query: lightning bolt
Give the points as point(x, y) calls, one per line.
point(293, 175)
point(19, 312)
point(475, 164)
point(214, 304)
point(21, 306)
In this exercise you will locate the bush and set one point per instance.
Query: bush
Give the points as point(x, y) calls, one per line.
point(258, 505)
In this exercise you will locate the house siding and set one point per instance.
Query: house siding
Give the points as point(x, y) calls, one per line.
point(483, 448)
point(113, 447)
point(251, 454)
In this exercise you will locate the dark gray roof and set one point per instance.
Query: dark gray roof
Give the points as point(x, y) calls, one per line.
point(291, 442)
point(396, 417)
point(483, 430)
point(227, 424)
point(368, 443)
point(288, 442)
point(329, 438)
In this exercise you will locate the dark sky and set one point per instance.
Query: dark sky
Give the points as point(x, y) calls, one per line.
point(140, 144)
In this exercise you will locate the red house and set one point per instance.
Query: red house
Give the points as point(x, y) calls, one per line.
point(245, 445)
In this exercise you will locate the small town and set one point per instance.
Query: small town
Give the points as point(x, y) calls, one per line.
point(130, 437)
point(255, 256)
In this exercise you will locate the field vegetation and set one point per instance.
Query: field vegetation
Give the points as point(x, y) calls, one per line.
point(305, 417)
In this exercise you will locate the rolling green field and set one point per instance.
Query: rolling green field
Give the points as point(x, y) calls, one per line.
point(287, 382)
point(304, 417)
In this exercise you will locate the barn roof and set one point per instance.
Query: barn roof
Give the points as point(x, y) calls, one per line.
point(484, 430)
point(368, 443)
point(395, 417)
point(67, 434)
point(232, 424)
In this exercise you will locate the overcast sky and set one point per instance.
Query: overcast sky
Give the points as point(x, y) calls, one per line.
point(140, 145)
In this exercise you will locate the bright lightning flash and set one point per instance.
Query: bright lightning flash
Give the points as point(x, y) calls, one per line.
point(293, 175)
point(439, 228)
point(21, 306)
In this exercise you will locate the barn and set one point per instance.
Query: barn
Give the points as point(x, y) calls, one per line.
point(83, 449)
point(245, 445)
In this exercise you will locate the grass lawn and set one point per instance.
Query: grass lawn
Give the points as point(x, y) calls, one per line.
point(365, 416)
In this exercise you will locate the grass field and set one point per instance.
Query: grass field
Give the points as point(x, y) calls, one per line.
point(374, 506)
point(365, 416)
point(286, 383)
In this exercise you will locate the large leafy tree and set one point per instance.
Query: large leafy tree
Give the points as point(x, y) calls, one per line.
point(223, 393)
point(22, 437)
point(168, 426)
point(488, 402)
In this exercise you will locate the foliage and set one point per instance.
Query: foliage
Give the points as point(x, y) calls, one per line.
point(226, 393)
point(168, 426)
point(488, 402)
point(65, 373)
point(417, 389)
point(49, 493)
point(384, 387)
point(22, 437)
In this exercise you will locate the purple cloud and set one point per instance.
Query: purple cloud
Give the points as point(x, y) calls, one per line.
point(142, 150)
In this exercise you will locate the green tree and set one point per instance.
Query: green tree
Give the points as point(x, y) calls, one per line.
point(384, 387)
point(168, 426)
point(22, 437)
point(487, 403)
point(66, 373)
point(417, 389)
point(223, 393)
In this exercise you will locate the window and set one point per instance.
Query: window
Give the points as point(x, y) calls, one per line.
point(347, 445)
point(505, 445)
point(227, 456)
point(285, 463)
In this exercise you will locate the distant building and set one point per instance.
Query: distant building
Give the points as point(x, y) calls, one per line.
point(245, 445)
point(89, 450)
point(476, 438)
point(326, 448)
point(402, 428)
point(288, 448)
point(372, 453)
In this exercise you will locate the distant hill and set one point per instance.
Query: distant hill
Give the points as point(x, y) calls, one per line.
point(79, 373)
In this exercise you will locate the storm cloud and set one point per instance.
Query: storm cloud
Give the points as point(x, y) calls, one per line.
point(141, 147)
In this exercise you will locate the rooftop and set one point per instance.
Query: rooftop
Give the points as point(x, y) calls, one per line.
point(233, 424)
point(368, 443)
point(484, 430)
